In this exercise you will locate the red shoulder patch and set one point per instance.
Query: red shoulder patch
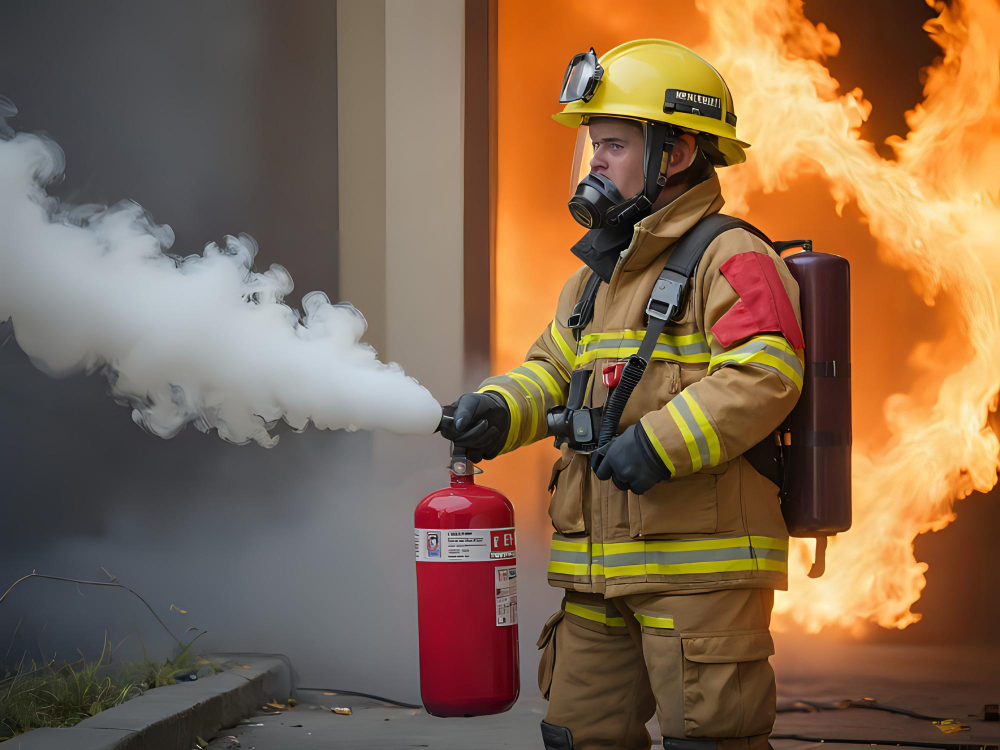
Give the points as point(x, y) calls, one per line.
point(763, 306)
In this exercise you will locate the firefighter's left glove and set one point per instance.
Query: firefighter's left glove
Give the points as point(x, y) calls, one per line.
point(629, 461)
point(480, 425)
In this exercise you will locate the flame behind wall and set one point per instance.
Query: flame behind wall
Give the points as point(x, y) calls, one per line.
point(924, 386)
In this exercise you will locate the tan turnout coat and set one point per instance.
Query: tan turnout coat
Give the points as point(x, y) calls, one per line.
point(716, 524)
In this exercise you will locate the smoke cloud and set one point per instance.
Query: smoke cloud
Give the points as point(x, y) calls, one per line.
point(202, 338)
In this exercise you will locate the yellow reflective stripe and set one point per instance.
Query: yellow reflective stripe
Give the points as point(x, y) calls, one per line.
point(706, 427)
point(572, 569)
point(755, 562)
point(769, 542)
point(715, 566)
point(739, 356)
point(616, 353)
point(523, 379)
point(685, 545)
point(569, 546)
point(624, 570)
point(666, 623)
point(658, 446)
point(594, 615)
point(663, 338)
point(587, 614)
point(624, 547)
point(563, 346)
point(778, 341)
point(689, 440)
point(693, 544)
point(597, 568)
point(779, 566)
point(515, 415)
point(550, 383)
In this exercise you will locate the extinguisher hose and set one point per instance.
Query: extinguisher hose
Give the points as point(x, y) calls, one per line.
point(892, 743)
point(615, 407)
point(363, 695)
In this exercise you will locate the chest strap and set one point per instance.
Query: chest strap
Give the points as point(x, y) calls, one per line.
point(666, 303)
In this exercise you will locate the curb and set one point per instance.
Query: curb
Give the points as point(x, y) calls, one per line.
point(170, 717)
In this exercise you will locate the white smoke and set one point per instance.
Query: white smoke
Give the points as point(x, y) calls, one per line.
point(202, 339)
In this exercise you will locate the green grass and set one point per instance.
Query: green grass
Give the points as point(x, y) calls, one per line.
point(61, 694)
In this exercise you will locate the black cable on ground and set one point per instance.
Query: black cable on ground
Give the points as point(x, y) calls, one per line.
point(893, 743)
point(810, 706)
point(363, 695)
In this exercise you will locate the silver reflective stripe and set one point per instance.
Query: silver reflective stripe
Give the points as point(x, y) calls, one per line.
point(771, 554)
point(695, 558)
point(660, 557)
point(628, 345)
point(561, 555)
point(762, 346)
point(684, 409)
point(535, 378)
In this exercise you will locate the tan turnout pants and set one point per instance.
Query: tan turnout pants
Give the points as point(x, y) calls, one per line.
point(698, 660)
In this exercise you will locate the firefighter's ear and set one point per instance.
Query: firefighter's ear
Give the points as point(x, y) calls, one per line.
point(682, 154)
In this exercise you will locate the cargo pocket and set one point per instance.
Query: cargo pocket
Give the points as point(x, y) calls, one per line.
point(566, 485)
point(547, 645)
point(685, 505)
point(728, 685)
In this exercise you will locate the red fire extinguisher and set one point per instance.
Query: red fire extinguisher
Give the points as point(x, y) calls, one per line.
point(466, 597)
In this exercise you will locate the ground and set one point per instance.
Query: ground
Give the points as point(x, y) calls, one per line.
point(953, 682)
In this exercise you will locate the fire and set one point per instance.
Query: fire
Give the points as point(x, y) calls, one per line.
point(933, 214)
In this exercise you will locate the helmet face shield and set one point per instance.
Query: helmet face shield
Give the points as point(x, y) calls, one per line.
point(582, 154)
point(583, 74)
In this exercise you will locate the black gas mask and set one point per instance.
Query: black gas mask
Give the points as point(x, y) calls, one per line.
point(597, 201)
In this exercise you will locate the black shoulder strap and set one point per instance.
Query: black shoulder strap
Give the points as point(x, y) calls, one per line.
point(583, 313)
point(665, 303)
point(671, 287)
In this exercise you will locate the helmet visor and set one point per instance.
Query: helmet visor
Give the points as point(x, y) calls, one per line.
point(583, 74)
point(582, 154)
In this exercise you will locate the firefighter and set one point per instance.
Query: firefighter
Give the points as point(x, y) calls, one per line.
point(668, 543)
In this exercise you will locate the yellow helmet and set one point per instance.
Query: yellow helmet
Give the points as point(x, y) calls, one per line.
point(655, 80)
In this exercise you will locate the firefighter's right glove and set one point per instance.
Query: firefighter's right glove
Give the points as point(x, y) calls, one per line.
point(480, 425)
point(629, 461)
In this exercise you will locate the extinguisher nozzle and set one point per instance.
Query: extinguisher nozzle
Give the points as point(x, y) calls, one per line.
point(447, 417)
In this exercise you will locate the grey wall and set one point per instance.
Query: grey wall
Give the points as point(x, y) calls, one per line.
point(218, 118)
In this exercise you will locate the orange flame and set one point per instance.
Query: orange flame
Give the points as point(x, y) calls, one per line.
point(933, 212)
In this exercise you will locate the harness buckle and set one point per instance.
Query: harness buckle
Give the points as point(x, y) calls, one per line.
point(668, 295)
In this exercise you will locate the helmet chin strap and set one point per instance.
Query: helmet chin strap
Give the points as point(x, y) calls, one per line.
point(660, 142)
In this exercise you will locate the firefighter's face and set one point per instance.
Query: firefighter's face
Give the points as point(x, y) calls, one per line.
point(619, 149)
point(618, 152)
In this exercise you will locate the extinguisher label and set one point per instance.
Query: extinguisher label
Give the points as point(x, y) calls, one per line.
point(502, 544)
point(464, 545)
point(506, 593)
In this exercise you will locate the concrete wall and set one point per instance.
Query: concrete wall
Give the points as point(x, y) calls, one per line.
point(219, 118)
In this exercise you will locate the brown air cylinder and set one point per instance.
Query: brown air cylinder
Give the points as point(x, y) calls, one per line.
point(817, 498)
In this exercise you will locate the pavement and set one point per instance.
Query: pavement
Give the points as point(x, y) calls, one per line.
point(951, 682)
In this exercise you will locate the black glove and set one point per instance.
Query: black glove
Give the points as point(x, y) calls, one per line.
point(480, 425)
point(629, 461)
